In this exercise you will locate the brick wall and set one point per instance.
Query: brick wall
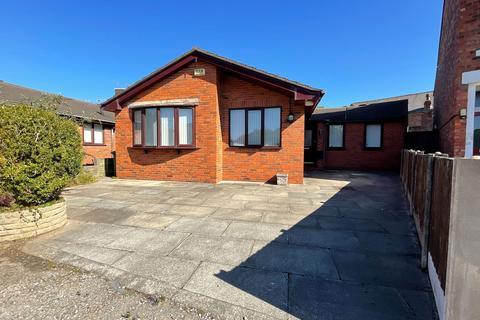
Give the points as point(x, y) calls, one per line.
point(459, 39)
point(355, 157)
point(213, 160)
point(187, 165)
point(253, 164)
point(92, 152)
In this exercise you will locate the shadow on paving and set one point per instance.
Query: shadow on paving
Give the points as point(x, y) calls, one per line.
point(355, 257)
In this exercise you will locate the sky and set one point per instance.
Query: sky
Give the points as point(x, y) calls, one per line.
point(354, 50)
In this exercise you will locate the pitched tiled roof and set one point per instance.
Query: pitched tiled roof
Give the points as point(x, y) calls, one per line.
point(376, 112)
point(70, 107)
point(227, 63)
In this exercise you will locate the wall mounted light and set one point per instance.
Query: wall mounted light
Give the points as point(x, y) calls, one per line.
point(290, 117)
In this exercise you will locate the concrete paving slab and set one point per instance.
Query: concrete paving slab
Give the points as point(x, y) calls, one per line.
point(333, 223)
point(221, 203)
point(385, 270)
point(388, 243)
point(168, 269)
point(212, 227)
point(108, 216)
point(150, 220)
point(214, 249)
point(158, 208)
point(193, 211)
point(314, 298)
point(237, 214)
point(264, 206)
point(292, 259)
point(345, 240)
point(98, 254)
point(148, 241)
point(262, 291)
point(289, 219)
point(256, 231)
point(94, 234)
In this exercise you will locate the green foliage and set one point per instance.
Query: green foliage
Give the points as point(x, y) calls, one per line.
point(83, 177)
point(40, 152)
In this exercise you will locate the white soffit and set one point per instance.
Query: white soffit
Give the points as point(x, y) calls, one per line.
point(471, 77)
point(160, 103)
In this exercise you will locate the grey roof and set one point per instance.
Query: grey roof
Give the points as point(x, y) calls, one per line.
point(13, 93)
point(415, 100)
point(227, 60)
point(376, 112)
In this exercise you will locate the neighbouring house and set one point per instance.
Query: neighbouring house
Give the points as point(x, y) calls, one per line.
point(97, 127)
point(367, 137)
point(206, 118)
point(420, 131)
point(457, 83)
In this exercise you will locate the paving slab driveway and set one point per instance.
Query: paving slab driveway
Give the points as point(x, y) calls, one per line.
point(341, 246)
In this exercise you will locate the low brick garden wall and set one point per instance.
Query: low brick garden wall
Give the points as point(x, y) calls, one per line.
point(28, 223)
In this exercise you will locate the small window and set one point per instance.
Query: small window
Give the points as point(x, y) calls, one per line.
point(151, 127)
point(185, 126)
point(373, 136)
point(335, 136)
point(137, 127)
point(237, 128)
point(92, 134)
point(256, 127)
point(167, 127)
point(272, 127)
point(97, 134)
point(87, 133)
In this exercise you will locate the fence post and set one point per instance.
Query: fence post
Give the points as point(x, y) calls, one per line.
point(427, 208)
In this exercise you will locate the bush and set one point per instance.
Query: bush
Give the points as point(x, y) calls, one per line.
point(83, 177)
point(40, 152)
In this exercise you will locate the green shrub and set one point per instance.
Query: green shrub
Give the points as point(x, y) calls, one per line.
point(83, 177)
point(40, 152)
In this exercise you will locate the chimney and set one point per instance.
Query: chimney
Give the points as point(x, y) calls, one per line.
point(428, 102)
point(119, 90)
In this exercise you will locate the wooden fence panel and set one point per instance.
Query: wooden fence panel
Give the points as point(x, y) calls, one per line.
point(440, 215)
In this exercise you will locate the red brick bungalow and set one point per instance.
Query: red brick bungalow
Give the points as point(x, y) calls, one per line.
point(206, 118)
point(368, 137)
point(96, 127)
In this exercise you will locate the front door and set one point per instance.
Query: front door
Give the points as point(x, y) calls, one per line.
point(309, 146)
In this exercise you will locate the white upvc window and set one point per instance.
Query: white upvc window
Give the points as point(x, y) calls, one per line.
point(92, 133)
point(373, 136)
point(336, 136)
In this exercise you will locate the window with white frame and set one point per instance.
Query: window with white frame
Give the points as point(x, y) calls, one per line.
point(92, 133)
point(336, 136)
point(255, 127)
point(373, 136)
point(167, 127)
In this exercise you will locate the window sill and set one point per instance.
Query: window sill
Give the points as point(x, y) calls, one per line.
point(335, 148)
point(256, 147)
point(164, 148)
point(373, 149)
point(94, 144)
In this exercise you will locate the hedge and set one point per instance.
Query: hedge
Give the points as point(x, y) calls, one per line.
point(40, 152)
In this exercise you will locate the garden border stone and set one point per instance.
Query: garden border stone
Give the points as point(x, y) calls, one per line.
point(27, 223)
